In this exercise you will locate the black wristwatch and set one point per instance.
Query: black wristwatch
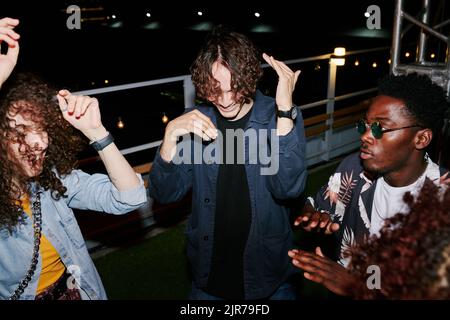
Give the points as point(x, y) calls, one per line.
point(290, 114)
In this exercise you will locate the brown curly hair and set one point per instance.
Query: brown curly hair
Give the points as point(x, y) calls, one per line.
point(238, 54)
point(35, 100)
point(412, 251)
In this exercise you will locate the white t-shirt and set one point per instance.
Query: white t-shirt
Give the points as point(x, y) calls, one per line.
point(388, 200)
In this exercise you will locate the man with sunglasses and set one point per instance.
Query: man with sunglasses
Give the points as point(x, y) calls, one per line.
point(368, 186)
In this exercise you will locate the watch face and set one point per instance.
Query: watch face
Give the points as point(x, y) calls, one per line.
point(294, 113)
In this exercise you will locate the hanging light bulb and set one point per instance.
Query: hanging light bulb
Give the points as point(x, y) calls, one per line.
point(165, 118)
point(120, 123)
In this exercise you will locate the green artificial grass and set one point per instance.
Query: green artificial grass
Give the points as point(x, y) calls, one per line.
point(157, 268)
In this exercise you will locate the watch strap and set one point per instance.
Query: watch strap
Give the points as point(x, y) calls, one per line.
point(102, 143)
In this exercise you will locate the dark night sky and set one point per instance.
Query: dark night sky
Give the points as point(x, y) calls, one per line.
point(132, 53)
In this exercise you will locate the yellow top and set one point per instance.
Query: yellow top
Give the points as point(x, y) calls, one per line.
point(52, 266)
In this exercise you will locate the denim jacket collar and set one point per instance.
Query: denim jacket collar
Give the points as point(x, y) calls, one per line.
point(261, 111)
point(264, 111)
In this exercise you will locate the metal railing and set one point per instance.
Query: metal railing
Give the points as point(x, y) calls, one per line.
point(189, 97)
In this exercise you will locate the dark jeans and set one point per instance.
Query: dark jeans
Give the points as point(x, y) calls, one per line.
point(285, 292)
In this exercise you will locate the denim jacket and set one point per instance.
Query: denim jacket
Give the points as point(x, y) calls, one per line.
point(266, 263)
point(86, 192)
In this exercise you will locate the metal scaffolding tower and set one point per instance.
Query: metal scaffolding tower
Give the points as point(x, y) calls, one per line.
point(439, 72)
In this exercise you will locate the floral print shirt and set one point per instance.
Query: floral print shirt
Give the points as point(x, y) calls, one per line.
point(348, 198)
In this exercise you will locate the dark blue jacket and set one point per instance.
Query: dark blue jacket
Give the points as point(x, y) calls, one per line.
point(266, 263)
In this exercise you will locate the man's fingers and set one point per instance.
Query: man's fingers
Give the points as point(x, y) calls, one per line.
point(194, 122)
point(320, 269)
point(319, 252)
point(315, 259)
point(199, 132)
point(335, 226)
point(207, 120)
point(276, 65)
point(286, 72)
point(9, 22)
point(332, 227)
point(267, 59)
point(204, 128)
point(285, 68)
point(304, 217)
point(273, 63)
point(313, 277)
point(294, 253)
point(314, 221)
point(309, 266)
point(205, 124)
point(444, 179)
point(324, 220)
point(311, 221)
point(296, 75)
point(314, 266)
point(201, 129)
point(198, 116)
point(283, 71)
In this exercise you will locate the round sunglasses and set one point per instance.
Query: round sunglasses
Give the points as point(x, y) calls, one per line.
point(377, 129)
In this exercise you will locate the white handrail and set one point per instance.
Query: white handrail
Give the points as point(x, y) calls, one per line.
point(141, 84)
point(189, 87)
point(133, 85)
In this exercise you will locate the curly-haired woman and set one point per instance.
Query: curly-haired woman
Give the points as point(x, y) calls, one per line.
point(43, 254)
